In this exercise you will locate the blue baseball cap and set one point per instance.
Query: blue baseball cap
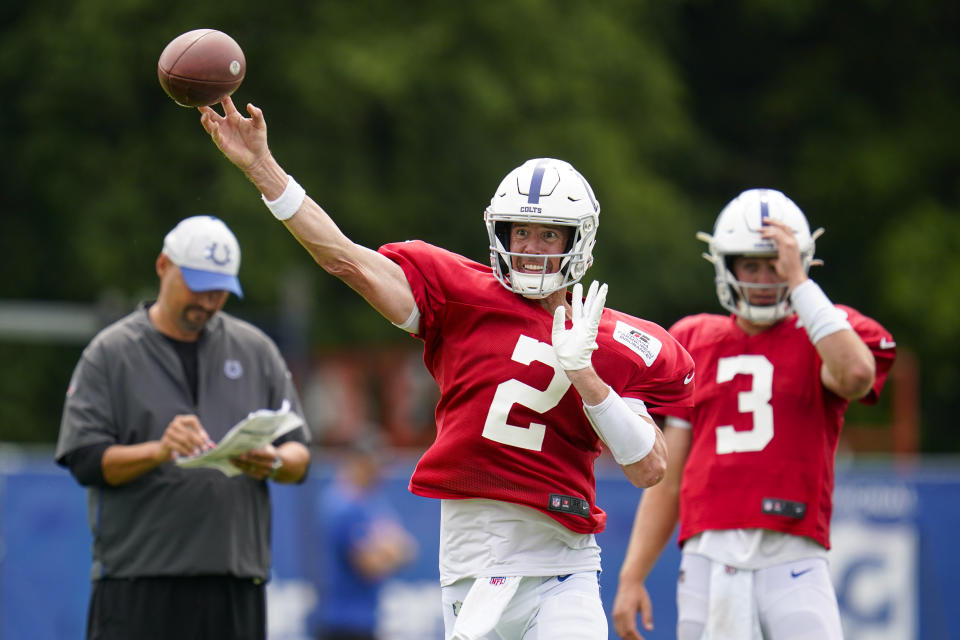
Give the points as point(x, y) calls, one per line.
point(207, 253)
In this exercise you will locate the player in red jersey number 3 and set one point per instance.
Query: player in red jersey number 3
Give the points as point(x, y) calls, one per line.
point(531, 380)
point(750, 467)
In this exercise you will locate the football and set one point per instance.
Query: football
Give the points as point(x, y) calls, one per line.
point(201, 67)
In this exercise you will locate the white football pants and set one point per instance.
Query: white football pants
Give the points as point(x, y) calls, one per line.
point(790, 601)
point(539, 608)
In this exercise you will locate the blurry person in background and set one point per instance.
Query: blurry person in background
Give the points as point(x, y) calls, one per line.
point(750, 466)
point(177, 552)
point(364, 542)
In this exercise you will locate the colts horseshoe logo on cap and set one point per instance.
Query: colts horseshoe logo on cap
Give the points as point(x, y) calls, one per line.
point(212, 254)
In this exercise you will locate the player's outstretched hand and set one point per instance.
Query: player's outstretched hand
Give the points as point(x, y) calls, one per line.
point(632, 598)
point(243, 140)
point(574, 347)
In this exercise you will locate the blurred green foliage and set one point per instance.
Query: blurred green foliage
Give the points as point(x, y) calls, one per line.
point(401, 118)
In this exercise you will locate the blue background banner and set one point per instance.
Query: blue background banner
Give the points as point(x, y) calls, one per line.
point(894, 562)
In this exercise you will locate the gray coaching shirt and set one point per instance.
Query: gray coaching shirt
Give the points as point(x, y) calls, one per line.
point(127, 386)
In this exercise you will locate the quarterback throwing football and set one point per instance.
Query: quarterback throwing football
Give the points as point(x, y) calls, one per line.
point(531, 380)
point(750, 467)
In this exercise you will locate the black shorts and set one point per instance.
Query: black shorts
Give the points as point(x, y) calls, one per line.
point(178, 608)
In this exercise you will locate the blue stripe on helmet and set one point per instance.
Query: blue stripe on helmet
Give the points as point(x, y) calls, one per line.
point(764, 208)
point(536, 181)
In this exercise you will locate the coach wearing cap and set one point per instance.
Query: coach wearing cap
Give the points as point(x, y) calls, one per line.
point(177, 552)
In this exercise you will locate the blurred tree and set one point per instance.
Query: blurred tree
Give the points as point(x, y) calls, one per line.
point(401, 119)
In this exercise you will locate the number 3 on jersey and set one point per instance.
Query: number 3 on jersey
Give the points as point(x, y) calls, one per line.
point(755, 401)
point(514, 392)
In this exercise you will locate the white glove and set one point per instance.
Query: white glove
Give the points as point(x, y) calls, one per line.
point(575, 346)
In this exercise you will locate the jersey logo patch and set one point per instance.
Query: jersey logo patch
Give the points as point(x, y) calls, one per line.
point(644, 344)
point(569, 504)
point(887, 344)
point(786, 508)
point(232, 369)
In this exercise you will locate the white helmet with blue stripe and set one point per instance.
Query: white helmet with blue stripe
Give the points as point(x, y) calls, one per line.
point(737, 233)
point(549, 192)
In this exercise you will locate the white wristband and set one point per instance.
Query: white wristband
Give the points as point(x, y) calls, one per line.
point(820, 318)
point(289, 201)
point(412, 325)
point(628, 436)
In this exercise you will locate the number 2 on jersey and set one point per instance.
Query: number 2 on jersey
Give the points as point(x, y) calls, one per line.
point(755, 401)
point(512, 392)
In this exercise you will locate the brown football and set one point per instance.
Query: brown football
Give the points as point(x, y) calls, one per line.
point(201, 67)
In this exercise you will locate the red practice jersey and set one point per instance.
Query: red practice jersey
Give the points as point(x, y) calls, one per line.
point(765, 428)
point(510, 426)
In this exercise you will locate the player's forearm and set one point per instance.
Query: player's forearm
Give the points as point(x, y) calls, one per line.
point(268, 176)
point(653, 526)
point(628, 431)
point(379, 280)
point(849, 366)
point(308, 223)
point(591, 387)
point(652, 468)
point(659, 509)
point(124, 463)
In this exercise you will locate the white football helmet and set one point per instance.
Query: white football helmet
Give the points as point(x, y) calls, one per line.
point(543, 191)
point(737, 233)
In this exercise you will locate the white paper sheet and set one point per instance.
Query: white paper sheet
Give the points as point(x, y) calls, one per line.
point(256, 431)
